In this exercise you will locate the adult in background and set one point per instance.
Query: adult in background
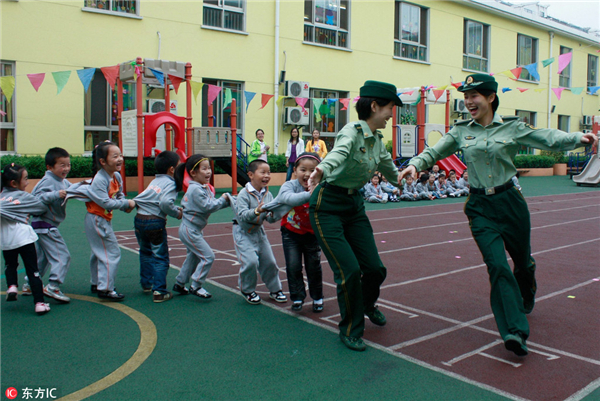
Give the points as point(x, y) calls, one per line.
point(295, 147)
point(337, 211)
point(497, 212)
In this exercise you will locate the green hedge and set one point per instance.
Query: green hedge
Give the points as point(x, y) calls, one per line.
point(534, 161)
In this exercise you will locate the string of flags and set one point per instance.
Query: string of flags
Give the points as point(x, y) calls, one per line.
point(7, 85)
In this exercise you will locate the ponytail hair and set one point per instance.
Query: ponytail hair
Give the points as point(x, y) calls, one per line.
point(11, 172)
point(100, 152)
point(192, 164)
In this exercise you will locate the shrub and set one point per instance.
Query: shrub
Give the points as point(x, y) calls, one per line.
point(277, 163)
point(534, 161)
point(557, 156)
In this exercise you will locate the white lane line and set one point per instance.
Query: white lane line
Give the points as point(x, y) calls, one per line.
point(584, 392)
point(474, 352)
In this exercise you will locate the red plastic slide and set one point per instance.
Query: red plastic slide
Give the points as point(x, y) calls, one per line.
point(452, 162)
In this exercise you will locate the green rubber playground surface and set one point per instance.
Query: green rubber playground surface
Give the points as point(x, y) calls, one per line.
point(195, 349)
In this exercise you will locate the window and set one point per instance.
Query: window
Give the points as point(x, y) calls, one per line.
point(528, 117)
point(225, 14)
point(564, 123)
point(326, 22)
point(564, 78)
point(410, 33)
point(332, 117)
point(592, 75)
point(100, 111)
point(7, 122)
point(475, 46)
point(222, 116)
point(526, 54)
point(407, 114)
point(129, 7)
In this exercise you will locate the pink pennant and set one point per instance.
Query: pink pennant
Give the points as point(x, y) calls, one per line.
point(564, 60)
point(265, 99)
point(213, 91)
point(438, 94)
point(2, 113)
point(522, 89)
point(517, 72)
point(175, 81)
point(345, 102)
point(356, 99)
point(409, 93)
point(36, 80)
point(111, 74)
point(456, 84)
point(301, 101)
point(558, 92)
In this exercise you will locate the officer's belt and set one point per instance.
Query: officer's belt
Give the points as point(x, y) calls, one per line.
point(341, 190)
point(493, 190)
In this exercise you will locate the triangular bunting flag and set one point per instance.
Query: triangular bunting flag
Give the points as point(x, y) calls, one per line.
point(280, 101)
point(228, 98)
point(7, 84)
point(457, 84)
point(532, 70)
point(409, 93)
point(111, 74)
point(508, 73)
point(523, 89)
point(504, 90)
point(547, 62)
point(438, 93)
point(558, 92)
point(517, 72)
point(577, 91)
point(175, 81)
point(441, 88)
point(85, 76)
point(265, 99)
point(196, 88)
point(36, 80)
point(248, 96)
point(356, 99)
point(61, 78)
point(2, 113)
point(539, 90)
point(345, 102)
point(418, 98)
point(317, 107)
point(213, 91)
point(159, 75)
point(301, 101)
point(564, 60)
point(593, 89)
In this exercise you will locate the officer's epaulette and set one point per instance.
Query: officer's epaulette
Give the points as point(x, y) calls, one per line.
point(462, 122)
point(380, 135)
point(510, 118)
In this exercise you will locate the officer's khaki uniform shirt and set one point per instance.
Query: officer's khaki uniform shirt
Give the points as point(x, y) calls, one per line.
point(489, 151)
point(355, 157)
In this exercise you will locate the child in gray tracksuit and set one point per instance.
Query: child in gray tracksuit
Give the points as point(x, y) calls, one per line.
point(373, 191)
point(392, 192)
point(198, 204)
point(456, 188)
point(51, 248)
point(432, 188)
point(17, 236)
point(409, 193)
point(422, 187)
point(441, 186)
point(251, 243)
point(105, 194)
point(154, 205)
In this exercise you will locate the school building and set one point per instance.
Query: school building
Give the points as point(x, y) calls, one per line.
point(318, 50)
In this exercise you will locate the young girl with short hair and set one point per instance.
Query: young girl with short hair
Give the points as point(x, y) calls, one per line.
point(17, 236)
point(105, 194)
point(295, 147)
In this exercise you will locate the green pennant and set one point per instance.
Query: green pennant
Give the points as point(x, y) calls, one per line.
point(418, 100)
point(577, 91)
point(61, 78)
point(547, 62)
point(228, 97)
point(317, 107)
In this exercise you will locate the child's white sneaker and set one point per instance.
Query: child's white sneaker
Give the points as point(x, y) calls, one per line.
point(42, 308)
point(11, 293)
point(200, 292)
point(57, 294)
point(26, 290)
point(278, 296)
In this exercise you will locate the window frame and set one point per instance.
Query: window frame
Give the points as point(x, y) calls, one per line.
point(525, 75)
point(562, 117)
point(327, 136)
point(220, 112)
point(565, 74)
point(592, 80)
point(12, 113)
point(485, 44)
point(423, 32)
point(88, 7)
point(526, 150)
point(311, 26)
point(224, 9)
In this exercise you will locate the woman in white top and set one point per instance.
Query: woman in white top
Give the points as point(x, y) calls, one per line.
point(295, 147)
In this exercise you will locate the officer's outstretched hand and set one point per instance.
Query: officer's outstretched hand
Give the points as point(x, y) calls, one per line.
point(590, 139)
point(315, 179)
point(409, 170)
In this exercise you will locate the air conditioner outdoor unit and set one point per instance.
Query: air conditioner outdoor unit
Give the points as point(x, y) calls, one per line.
point(587, 131)
point(297, 89)
point(296, 115)
point(459, 106)
point(588, 120)
point(158, 105)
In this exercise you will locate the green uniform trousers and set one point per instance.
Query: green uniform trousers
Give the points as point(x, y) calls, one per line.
point(499, 221)
point(346, 237)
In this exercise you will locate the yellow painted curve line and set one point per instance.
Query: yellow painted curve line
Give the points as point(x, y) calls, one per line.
point(147, 344)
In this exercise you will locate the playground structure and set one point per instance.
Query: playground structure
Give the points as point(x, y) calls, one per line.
point(138, 130)
point(403, 143)
point(591, 171)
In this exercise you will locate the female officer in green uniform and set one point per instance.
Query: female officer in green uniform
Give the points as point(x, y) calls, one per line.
point(497, 212)
point(337, 211)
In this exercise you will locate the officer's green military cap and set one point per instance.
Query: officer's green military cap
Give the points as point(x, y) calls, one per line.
point(380, 90)
point(479, 81)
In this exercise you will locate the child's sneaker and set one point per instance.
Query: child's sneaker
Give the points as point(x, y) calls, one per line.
point(201, 292)
point(181, 289)
point(297, 306)
point(56, 293)
point(11, 293)
point(161, 297)
point(252, 298)
point(146, 290)
point(42, 308)
point(278, 296)
point(26, 290)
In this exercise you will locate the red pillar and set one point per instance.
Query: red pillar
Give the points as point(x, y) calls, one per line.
point(140, 131)
point(188, 103)
point(421, 121)
point(168, 141)
point(210, 124)
point(119, 111)
point(233, 147)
